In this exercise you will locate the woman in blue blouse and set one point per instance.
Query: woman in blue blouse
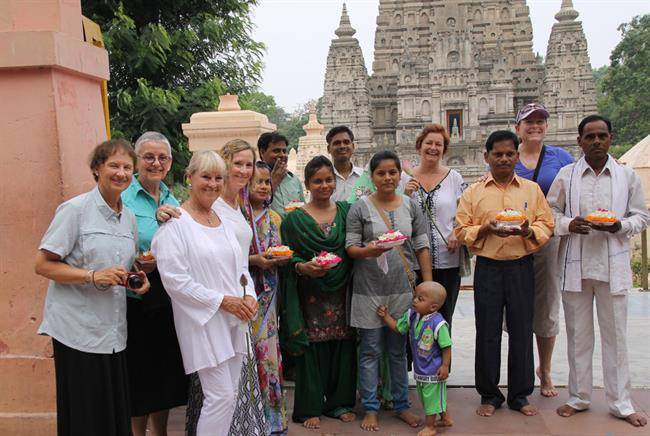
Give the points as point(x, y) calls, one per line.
point(541, 163)
point(86, 254)
point(156, 376)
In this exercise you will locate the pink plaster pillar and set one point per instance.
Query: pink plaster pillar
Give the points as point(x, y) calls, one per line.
point(50, 118)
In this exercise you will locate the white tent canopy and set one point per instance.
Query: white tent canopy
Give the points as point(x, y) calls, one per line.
point(638, 157)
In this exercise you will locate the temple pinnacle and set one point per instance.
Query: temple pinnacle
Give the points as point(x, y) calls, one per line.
point(313, 127)
point(566, 13)
point(345, 28)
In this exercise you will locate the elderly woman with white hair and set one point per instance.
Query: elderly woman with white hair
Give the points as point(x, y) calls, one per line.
point(200, 262)
point(157, 381)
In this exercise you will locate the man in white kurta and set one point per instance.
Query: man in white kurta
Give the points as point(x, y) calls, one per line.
point(595, 265)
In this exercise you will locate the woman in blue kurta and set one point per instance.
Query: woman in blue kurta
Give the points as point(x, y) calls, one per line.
point(156, 377)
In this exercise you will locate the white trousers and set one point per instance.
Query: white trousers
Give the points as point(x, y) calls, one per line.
point(219, 385)
point(612, 320)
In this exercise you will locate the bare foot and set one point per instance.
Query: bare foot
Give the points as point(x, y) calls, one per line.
point(411, 419)
point(347, 417)
point(312, 423)
point(370, 422)
point(636, 419)
point(445, 420)
point(546, 387)
point(529, 410)
point(567, 411)
point(485, 410)
point(427, 431)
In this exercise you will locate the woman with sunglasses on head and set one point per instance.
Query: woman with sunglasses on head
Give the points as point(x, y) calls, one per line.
point(156, 377)
point(541, 163)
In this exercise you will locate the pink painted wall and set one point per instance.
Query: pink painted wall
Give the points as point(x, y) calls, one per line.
point(51, 116)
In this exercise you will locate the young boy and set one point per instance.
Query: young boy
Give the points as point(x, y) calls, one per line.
point(431, 348)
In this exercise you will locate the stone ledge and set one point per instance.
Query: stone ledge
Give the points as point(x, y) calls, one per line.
point(28, 424)
point(35, 49)
point(28, 386)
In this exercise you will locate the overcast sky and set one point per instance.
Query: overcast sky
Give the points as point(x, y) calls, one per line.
point(297, 34)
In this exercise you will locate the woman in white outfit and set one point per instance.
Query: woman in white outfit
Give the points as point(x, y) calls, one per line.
point(201, 262)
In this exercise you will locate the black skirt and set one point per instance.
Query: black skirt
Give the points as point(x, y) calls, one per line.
point(92, 392)
point(156, 375)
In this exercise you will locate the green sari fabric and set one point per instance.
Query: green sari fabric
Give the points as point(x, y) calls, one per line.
point(303, 235)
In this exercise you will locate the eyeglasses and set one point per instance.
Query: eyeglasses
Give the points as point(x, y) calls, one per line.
point(150, 158)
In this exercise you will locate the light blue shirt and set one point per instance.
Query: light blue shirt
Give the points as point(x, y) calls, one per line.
point(86, 233)
point(143, 205)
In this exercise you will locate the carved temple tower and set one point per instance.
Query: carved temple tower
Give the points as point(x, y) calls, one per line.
point(466, 64)
point(569, 89)
point(346, 98)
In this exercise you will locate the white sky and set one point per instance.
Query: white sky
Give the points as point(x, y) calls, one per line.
point(297, 34)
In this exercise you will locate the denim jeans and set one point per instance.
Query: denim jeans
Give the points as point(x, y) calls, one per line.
point(373, 342)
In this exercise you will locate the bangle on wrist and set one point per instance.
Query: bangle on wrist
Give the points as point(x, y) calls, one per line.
point(297, 269)
point(89, 276)
point(99, 288)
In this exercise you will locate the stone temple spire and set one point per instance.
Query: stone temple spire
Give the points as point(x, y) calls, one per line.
point(568, 90)
point(566, 12)
point(346, 95)
point(345, 29)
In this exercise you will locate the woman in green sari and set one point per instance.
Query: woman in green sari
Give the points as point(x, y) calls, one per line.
point(314, 325)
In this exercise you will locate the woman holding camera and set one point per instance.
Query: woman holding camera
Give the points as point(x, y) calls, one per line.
point(86, 254)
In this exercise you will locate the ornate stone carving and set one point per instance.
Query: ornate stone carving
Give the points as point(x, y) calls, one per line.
point(472, 60)
point(346, 98)
point(568, 90)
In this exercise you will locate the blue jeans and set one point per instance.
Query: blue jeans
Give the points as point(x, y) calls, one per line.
point(373, 341)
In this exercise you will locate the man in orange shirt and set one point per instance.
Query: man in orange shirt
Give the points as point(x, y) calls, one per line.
point(504, 275)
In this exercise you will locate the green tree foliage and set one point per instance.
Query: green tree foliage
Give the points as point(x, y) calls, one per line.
point(288, 124)
point(171, 58)
point(292, 126)
point(264, 104)
point(624, 86)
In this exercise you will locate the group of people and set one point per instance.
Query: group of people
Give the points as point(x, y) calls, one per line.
point(202, 295)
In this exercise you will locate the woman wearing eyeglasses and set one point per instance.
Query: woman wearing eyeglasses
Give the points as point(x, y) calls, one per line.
point(157, 379)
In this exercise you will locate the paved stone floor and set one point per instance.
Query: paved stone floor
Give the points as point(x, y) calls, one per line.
point(463, 399)
point(462, 403)
point(638, 327)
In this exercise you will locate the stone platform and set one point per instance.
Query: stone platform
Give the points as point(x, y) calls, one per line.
point(463, 399)
point(462, 404)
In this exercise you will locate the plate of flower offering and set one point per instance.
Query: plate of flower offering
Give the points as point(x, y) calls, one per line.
point(280, 251)
point(293, 205)
point(510, 219)
point(146, 256)
point(390, 239)
point(327, 260)
point(601, 217)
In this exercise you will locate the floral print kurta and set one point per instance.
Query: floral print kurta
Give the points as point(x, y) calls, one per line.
point(266, 233)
